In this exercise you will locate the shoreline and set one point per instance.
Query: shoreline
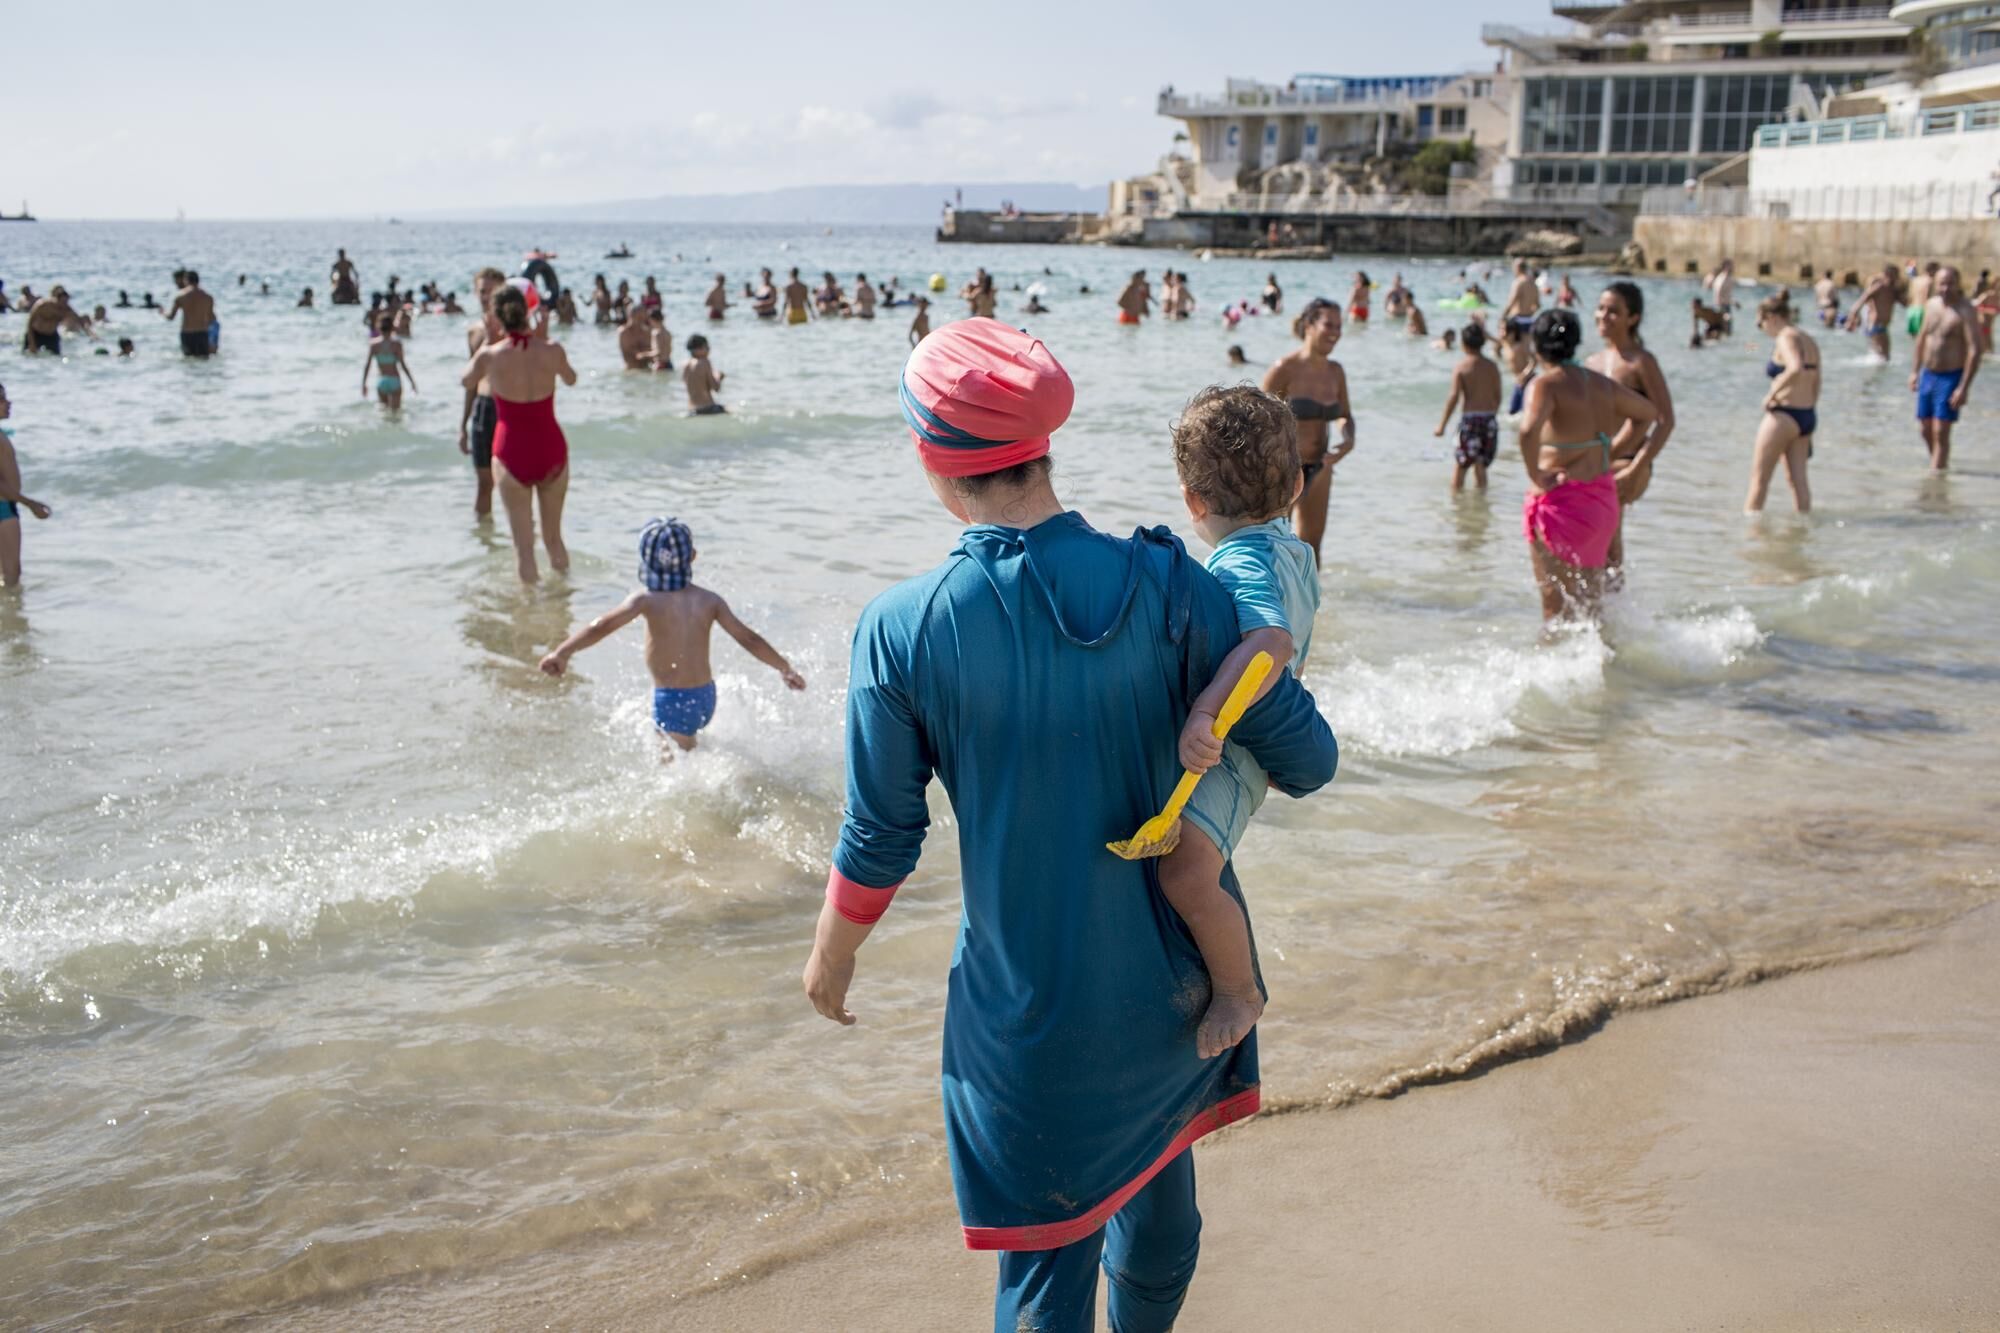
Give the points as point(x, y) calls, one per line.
point(1811, 1151)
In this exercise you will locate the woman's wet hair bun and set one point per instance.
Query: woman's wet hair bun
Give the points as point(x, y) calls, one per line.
point(1556, 335)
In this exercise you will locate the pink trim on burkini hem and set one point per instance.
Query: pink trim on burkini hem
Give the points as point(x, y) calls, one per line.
point(1055, 1235)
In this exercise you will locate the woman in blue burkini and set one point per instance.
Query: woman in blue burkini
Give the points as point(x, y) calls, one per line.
point(1043, 673)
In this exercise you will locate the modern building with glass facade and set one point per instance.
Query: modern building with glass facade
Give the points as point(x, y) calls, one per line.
point(1619, 97)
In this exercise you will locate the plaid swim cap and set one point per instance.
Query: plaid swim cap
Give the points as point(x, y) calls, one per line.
point(666, 552)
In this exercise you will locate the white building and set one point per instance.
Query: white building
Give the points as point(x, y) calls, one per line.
point(1238, 138)
point(1900, 148)
point(1619, 97)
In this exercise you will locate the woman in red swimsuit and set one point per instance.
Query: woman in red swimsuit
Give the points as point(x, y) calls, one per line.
point(530, 456)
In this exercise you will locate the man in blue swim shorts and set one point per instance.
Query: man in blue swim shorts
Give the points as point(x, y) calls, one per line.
point(1947, 357)
point(679, 617)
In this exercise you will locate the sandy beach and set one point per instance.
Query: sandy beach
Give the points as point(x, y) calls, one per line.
point(1815, 1152)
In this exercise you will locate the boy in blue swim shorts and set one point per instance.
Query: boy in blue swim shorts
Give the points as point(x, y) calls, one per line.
point(679, 618)
point(1237, 452)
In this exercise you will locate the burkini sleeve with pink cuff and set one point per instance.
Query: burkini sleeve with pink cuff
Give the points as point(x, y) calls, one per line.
point(888, 768)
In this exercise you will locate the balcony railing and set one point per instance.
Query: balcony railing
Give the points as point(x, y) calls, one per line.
point(1862, 129)
point(1948, 200)
point(1280, 99)
point(1732, 19)
point(1865, 14)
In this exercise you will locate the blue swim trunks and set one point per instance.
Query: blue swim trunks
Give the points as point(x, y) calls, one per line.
point(8, 509)
point(684, 712)
point(1934, 391)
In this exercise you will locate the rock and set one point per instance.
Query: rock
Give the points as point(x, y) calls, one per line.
point(1631, 259)
point(1545, 245)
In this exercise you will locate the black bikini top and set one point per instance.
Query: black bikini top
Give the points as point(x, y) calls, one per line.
point(1311, 409)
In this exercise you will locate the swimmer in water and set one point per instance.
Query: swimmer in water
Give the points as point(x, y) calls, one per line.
point(635, 340)
point(566, 308)
point(530, 455)
point(983, 301)
point(764, 299)
point(920, 327)
point(1274, 295)
point(828, 298)
point(346, 282)
point(305, 299)
point(476, 417)
point(1418, 327)
point(1314, 386)
point(864, 297)
point(1566, 294)
point(385, 355)
point(1475, 395)
point(1136, 301)
point(650, 298)
point(702, 380)
point(798, 300)
point(1236, 450)
point(1575, 422)
point(1625, 359)
point(1358, 299)
point(1790, 407)
point(1448, 340)
point(48, 318)
point(1236, 357)
point(12, 501)
point(601, 300)
point(1517, 318)
point(197, 311)
point(680, 616)
point(717, 299)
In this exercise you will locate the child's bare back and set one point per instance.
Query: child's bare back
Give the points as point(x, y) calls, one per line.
point(677, 628)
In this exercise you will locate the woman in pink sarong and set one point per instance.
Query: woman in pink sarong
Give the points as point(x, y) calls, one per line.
point(1574, 421)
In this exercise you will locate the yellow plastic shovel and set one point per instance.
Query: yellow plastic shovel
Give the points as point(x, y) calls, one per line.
point(1162, 833)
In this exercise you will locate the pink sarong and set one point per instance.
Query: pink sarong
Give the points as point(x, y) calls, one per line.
point(1576, 520)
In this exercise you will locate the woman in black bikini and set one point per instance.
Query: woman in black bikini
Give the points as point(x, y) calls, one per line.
point(1790, 408)
point(1315, 385)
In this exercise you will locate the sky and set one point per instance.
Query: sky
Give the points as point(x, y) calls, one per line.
point(226, 109)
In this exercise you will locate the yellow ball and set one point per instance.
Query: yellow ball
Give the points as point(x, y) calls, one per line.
point(937, 282)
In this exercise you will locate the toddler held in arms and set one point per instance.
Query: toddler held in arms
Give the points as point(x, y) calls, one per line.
point(1237, 452)
point(679, 617)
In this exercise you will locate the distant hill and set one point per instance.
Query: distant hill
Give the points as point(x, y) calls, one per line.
point(846, 204)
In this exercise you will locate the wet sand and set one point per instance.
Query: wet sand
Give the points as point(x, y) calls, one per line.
point(1817, 1152)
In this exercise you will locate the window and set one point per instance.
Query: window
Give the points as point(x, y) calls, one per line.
point(1736, 104)
point(1482, 87)
point(1451, 120)
point(1562, 115)
point(1556, 173)
point(1652, 115)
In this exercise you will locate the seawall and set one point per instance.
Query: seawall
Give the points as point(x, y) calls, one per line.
point(1784, 248)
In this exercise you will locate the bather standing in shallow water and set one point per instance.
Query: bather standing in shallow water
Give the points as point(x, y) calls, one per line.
point(530, 454)
point(1791, 406)
point(1574, 423)
point(1314, 385)
point(1626, 360)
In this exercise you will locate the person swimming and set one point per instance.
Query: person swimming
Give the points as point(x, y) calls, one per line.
point(1571, 512)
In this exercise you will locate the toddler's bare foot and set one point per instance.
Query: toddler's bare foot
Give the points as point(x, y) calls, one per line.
point(1228, 1020)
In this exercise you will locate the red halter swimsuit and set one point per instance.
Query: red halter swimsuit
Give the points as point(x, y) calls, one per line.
point(526, 437)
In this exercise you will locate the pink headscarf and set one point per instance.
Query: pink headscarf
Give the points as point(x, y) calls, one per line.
point(981, 397)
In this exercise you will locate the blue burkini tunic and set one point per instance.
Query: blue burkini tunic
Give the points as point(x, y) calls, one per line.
point(1044, 676)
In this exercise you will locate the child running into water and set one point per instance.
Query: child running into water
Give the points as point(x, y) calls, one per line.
point(679, 617)
point(385, 353)
point(703, 380)
point(12, 500)
point(1237, 452)
point(1475, 386)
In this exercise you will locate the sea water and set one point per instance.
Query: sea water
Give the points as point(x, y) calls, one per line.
point(340, 948)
